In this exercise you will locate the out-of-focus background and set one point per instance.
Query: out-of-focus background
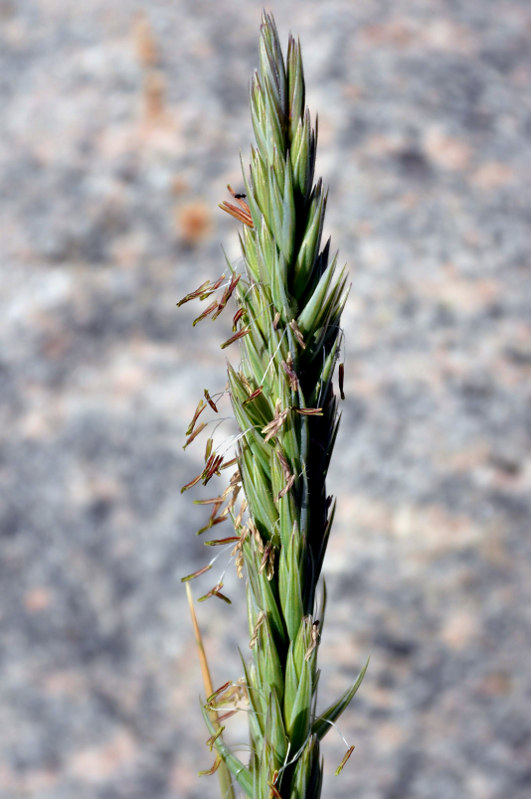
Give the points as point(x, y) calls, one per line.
point(121, 124)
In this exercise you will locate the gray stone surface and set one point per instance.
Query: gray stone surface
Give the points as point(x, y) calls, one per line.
point(121, 124)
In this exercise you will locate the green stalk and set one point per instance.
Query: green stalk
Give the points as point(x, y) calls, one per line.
point(290, 297)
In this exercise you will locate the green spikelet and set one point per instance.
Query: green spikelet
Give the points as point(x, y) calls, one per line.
point(290, 298)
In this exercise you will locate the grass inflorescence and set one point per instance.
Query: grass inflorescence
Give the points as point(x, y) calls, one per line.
point(289, 299)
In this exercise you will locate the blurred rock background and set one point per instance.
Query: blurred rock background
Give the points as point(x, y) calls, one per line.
point(121, 124)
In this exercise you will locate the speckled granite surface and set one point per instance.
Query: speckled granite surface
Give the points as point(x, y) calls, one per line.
point(121, 124)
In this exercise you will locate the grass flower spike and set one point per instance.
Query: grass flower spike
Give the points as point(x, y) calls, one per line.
point(289, 302)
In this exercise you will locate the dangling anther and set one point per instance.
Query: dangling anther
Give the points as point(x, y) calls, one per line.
point(341, 380)
point(339, 769)
point(243, 213)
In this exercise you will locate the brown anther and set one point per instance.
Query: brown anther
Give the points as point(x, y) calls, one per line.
point(212, 467)
point(276, 320)
point(191, 483)
point(210, 462)
point(227, 294)
point(227, 464)
point(195, 434)
point(211, 523)
point(232, 694)
point(218, 283)
point(210, 593)
point(205, 290)
point(246, 531)
point(215, 509)
point(287, 487)
point(314, 641)
point(198, 573)
point(243, 213)
point(256, 630)
point(298, 335)
point(274, 793)
point(232, 501)
point(212, 307)
point(213, 501)
point(240, 561)
point(309, 411)
point(253, 530)
point(216, 466)
point(239, 517)
point(237, 552)
point(341, 380)
point(216, 542)
point(236, 318)
point(240, 198)
point(293, 379)
point(200, 408)
point(256, 393)
point(210, 771)
point(284, 463)
point(216, 591)
point(265, 557)
point(270, 570)
point(339, 769)
point(235, 337)
point(210, 401)
point(235, 478)
point(217, 693)
point(245, 382)
point(272, 428)
point(213, 738)
point(216, 469)
point(194, 294)
point(235, 488)
point(289, 477)
point(225, 716)
point(223, 597)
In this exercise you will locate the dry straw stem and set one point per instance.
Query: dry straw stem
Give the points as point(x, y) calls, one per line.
point(290, 297)
point(225, 782)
